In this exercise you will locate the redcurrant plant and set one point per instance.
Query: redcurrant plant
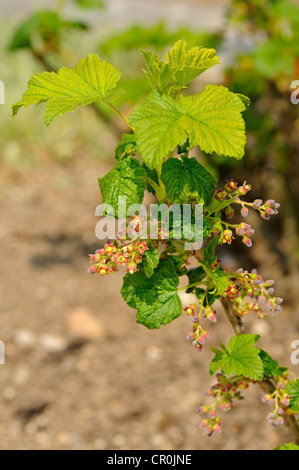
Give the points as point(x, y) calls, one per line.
point(155, 156)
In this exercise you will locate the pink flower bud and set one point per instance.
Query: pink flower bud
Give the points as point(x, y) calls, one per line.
point(92, 269)
point(203, 409)
point(247, 241)
point(204, 424)
point(229, 212)
point(190, 336)
point(217, 428)
point(244, 212)
point(212, 414)
point(257, 204)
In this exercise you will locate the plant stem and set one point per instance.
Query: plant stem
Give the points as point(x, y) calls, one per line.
point(124, 118)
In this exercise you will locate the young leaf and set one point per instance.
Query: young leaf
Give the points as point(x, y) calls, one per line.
point(211, 120)
point(151, 261)
point(92, 80)
point(185, 65)
point(271, 367)
point(156, 298)
point(217, 205)
point(181, 66)
point(195, 275)
point(216, 362)
point(292, 389)
point(288, 446)
point(127, 146)
point(126, 179)
point(242, 358)
point(187, 181)
point(221, 281)
point(209, 252)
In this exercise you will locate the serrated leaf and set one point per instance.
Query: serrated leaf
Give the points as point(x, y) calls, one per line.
point(187, 181)
point(126, 179)
point(288, 446)
point(180, 68)
point(292, 389)
point(91, 80)
point(271, 367)
point(127, 146)
point(195, 275)
point(217, 205)
point(242, 358)
point(211, 120)
point(221, 281)
point(151, 261)
point(209, 252)
point(187, 65)
point(156, 299)
point(216, 362)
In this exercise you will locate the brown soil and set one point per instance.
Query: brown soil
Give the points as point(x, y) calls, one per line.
point(79, 373)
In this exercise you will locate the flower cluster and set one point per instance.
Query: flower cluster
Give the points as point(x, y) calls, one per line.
point(260, 294)
point(198, 335)
point(280, 400)
point(108, 259)
point(234, 193)
point(224, 391)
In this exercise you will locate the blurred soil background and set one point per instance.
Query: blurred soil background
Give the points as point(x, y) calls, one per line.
point(79, 372)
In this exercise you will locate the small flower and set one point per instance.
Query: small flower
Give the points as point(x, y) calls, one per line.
point(142, 247)
point(190, 310)
point(132, 267)
point(110, 249)
point(230, 186)
point(120, 259)
point(244, 189)
point(227, 237)
point(257, 203)
point(103, 270)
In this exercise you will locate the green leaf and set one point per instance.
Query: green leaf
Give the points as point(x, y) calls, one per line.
point(216, 362)
point(126, 179)
point(187, 65)
point(90, 4)
point(156, 299)
point(187, 181)
point(271, 367)
point(151, 261)
point(46, 24)
point(181, 66)
point(211, 120)
point(220, 280)
point(242, 358)
point(127, 146)
point(195, 275)
point(292, 389)
point(217, 205)
point(288, 446)
point(92, 80)
point(209, 252)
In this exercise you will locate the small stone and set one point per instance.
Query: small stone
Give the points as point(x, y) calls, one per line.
point(52, 344)
point(25, 338)
point(81, 323)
